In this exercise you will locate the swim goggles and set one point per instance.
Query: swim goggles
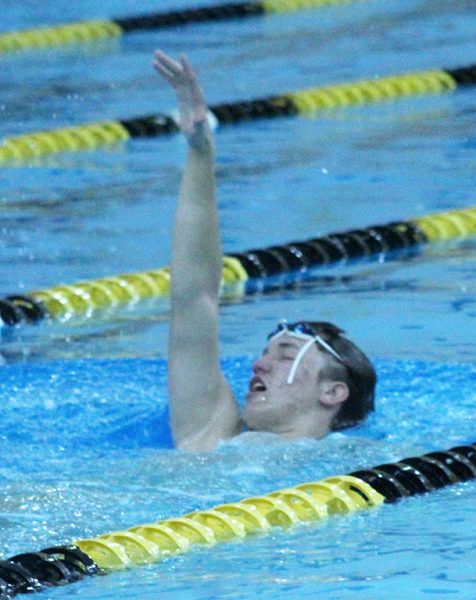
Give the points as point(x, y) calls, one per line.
point(303, 331)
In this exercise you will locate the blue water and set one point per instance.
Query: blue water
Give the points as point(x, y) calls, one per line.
point(83, 449)
point(83, 436)
point(82, 445)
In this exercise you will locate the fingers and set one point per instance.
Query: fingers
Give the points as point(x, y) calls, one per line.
point(167, 67)
point(175, 72)
point(167, 62)
point(187, 67)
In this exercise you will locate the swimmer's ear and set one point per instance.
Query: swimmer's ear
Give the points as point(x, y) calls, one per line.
point(333, 393)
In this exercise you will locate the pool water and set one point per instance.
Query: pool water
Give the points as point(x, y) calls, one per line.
point(86, 451)
point(84, 436)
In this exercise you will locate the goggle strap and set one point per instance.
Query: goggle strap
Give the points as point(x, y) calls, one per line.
point(297, 360)
point(310, 340)
point(328, 347)
point(305, 336)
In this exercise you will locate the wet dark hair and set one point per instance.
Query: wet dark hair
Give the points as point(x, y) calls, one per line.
point(355, 370)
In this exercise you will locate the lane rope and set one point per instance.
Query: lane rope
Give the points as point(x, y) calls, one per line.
point(91, 31)
point(307, 502)
point(243, 273)
point(302, 102)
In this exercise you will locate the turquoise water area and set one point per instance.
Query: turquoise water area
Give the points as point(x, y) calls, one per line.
point(83, 435)
point(83, 448)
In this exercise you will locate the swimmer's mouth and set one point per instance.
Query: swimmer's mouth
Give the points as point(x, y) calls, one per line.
point(257, 385)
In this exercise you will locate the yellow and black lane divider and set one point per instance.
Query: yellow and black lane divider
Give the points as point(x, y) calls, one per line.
point(95, 135)
point(90, 31)
point(307, 502)
point(244, 273)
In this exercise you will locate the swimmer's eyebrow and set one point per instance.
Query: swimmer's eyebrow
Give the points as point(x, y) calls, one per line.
point(287, 345)
point(282, 345)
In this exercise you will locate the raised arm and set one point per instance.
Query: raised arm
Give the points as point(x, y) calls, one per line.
point(202, 406)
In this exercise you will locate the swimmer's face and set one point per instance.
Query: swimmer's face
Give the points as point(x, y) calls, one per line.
point(274, 405)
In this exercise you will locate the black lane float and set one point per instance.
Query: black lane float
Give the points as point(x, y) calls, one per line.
point(90, 31)
point(243, 273)
point(310, 501)
point(95, 135)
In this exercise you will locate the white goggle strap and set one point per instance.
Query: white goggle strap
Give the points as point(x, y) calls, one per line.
point(326, 346)
point(304, 349)
point(310, 340)
point(297, 360)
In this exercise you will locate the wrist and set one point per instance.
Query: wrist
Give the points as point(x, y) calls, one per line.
point(199, 136)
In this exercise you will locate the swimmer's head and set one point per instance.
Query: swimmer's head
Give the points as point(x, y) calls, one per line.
point(347, 363)
point(312, 378)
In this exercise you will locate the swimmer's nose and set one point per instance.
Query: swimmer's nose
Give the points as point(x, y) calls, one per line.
point(261, 365)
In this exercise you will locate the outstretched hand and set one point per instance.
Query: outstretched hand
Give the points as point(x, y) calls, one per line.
point(190, 98)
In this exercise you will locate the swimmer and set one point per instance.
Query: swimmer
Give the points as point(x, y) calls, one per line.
point(310, 379)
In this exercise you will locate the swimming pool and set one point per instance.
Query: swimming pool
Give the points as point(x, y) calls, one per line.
point(81, 451)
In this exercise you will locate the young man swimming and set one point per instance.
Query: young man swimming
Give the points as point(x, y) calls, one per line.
point(310, 379)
